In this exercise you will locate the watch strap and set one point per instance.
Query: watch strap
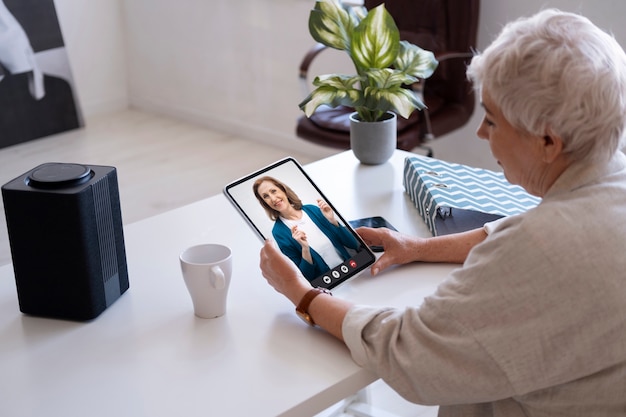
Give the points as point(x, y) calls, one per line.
point(303, 306)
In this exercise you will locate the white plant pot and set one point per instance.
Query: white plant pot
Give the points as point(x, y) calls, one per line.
point(373, 143)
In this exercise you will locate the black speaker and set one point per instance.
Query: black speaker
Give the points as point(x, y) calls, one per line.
point(67, 243)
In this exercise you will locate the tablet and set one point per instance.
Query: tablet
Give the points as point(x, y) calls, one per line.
point(282, 203)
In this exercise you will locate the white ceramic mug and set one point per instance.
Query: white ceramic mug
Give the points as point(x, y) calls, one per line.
point(207, 270)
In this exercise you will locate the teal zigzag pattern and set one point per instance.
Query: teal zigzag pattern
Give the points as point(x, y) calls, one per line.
point(437, 186)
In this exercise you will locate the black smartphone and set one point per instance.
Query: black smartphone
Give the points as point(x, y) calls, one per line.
point(376, 221)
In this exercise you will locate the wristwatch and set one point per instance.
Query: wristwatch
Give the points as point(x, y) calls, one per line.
point(302, 310)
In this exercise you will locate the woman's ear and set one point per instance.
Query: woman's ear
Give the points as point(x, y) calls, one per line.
point(552, 146)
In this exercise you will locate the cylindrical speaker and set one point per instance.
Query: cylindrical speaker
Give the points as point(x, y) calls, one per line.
point(66, 237)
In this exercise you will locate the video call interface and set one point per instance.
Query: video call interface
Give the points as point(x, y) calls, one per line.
point(281, 203)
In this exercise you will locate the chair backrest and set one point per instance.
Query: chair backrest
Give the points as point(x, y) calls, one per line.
point(440, 26)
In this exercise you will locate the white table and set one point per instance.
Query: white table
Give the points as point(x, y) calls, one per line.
point(148, 355)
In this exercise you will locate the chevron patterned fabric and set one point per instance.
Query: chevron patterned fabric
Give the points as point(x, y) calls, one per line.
point(440, 189)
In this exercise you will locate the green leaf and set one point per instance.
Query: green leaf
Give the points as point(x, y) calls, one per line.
point(415, 61)
point(330, 24)
point(332, 90)
point(386, 92)
point(388, 78)
point(400, 100)
point(375, 41)
point(345, 82)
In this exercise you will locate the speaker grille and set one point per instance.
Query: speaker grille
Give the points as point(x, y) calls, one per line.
point(106, 229)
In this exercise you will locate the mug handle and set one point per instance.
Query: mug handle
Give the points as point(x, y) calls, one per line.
point(218, 281)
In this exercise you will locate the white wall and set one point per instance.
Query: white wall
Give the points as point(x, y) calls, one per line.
point(229, 65)
point(232, 64)
point(95, 42)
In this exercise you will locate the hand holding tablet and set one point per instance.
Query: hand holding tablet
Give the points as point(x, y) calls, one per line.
point(282, 203)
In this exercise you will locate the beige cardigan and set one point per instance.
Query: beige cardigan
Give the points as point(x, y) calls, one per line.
point(533, 324)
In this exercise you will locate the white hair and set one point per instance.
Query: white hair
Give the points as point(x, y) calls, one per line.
point(556, 72)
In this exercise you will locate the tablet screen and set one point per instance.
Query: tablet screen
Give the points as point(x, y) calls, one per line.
point(282, 203)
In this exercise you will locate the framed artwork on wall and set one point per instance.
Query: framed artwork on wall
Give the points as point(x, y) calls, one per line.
point(37, 93)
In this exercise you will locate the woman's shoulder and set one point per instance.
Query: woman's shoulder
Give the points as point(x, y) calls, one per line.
point(279, 226)
point(311, 209)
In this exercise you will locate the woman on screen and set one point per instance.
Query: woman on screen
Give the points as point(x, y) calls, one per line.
point(308, 234)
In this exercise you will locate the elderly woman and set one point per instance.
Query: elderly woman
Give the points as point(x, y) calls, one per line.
point(534, 322)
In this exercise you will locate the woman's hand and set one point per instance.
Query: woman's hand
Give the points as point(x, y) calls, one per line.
point(402, 249)
point(399, 249)
point(300, 237)
point(327, 211)
point(282, 274)
point(328, 312)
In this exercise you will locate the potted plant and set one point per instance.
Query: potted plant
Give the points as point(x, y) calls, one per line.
point(384, 66)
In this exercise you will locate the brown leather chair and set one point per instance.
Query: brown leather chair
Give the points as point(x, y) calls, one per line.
point(446, 27)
